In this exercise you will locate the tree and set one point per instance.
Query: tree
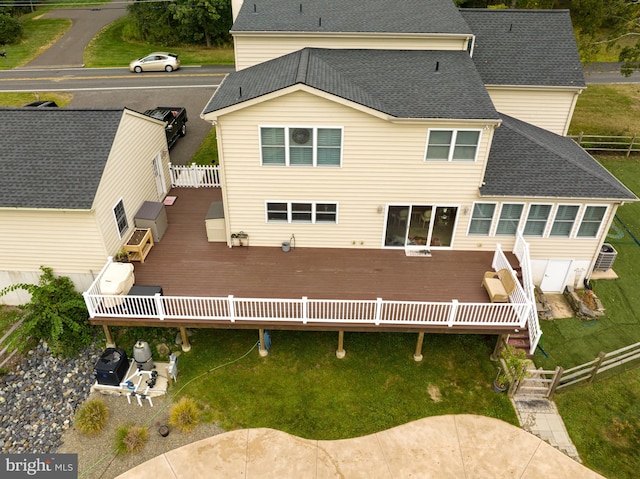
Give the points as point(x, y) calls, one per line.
point(182, 21)
point(604, 23)
point(56, 313)
point(203, 19)
point(10, 29)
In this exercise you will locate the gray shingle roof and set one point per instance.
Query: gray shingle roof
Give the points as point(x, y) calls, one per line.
point(54, 157)
point(354, 16)
point(404, 84)
point(528, 161)
point(525, 47)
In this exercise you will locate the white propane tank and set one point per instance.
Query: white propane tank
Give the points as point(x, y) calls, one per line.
point(142, 356)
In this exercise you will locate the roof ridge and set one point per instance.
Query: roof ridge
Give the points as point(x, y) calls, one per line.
point(303, 66)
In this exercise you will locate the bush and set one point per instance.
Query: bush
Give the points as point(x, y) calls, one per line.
point(91, 417)
point(130, 439)
point(56, 314)
point(10, 29)
point(185, 414)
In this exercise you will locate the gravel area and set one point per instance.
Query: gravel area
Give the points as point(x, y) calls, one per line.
point(38, 400)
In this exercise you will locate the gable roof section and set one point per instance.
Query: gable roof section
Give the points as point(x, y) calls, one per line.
point(529, 161)
point(525, 47)
point(350, 16)
point(400, 83)
point(54, 157)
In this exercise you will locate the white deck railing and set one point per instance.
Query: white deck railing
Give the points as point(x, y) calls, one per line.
point(522, 294)
point(194, 176)
point(306, 310)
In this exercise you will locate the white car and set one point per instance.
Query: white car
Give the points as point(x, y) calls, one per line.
point(155, 62)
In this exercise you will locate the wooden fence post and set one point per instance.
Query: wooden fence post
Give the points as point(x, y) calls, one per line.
point(557, 376)
point(596, 367)
point(633, 138)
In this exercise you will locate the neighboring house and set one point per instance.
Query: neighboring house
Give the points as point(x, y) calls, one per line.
point(72, 181)
point(412, 147)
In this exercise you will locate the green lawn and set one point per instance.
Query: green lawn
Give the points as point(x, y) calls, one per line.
point(109, 49)
point(303, 389)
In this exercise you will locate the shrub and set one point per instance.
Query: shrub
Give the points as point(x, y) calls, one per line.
point(130, 438)
point(56, 314)
point(91, 417)
point(185, 414)
point(10, 29)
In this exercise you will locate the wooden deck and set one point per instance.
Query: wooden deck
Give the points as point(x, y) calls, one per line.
point(184, 263)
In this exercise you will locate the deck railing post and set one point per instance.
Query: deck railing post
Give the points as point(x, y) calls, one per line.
point(305, 314)
point(90, 309)
point(378, 312)
point(452, 313)
point(159, 306)
point(232, 309)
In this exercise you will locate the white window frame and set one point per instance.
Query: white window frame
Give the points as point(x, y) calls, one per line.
point(518, 226)
point(546, 223)
point(287, 145)
point(573, 230)
point(452, 145)
point(314, 216)
point(491, 221)
point(581, 219)
point(122, 232)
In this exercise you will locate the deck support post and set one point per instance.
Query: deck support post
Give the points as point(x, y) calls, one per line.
point(262, 350)
point(340, 352)
point(417, 356)
point(500, 344)
point(185, 340)
point(107, 332)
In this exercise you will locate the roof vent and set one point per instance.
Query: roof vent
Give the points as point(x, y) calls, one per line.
point(255, 9)
point(300, 8)
point(319, 21)
point(437, 67)
point(511, 27)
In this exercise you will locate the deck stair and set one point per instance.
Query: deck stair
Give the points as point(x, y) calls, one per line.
point(520, 340)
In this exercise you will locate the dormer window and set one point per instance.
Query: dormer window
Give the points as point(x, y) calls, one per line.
point(452, 145)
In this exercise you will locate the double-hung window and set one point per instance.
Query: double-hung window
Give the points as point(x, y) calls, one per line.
point(120, 216)
point(481, 218)
point(452, 145)
point(301, 212)
point(591, 221)
point(536, 220)
point(509, 219)
point(564, 220)
point(301, 146)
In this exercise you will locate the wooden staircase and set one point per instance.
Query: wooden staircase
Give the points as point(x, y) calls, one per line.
point(521, 340)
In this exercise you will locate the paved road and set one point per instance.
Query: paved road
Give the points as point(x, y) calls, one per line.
point(87, 22)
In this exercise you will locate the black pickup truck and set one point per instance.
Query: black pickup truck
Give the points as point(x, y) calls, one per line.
point(176, 118)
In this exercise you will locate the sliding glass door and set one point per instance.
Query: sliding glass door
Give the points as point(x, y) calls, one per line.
point(420, 225)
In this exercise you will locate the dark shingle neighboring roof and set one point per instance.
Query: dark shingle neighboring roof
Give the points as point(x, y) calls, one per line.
point(400, 83)
point(529, 161)
point(525, 47)
point(54, 157)
point(350, 16)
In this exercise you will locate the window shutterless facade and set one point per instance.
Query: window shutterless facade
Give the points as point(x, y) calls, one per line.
point(591, 221)
point(509, 219)
point(301, 146)
point(301, 212)
point(536, 220)
point(481, 218)
point(120, 216)
point(452, 145)
point(564, 220)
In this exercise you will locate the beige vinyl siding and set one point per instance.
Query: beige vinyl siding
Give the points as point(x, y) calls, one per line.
point(61, 239)
point(251, 49)
point(546, 108)
point(382, 163)
point(129, 175)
